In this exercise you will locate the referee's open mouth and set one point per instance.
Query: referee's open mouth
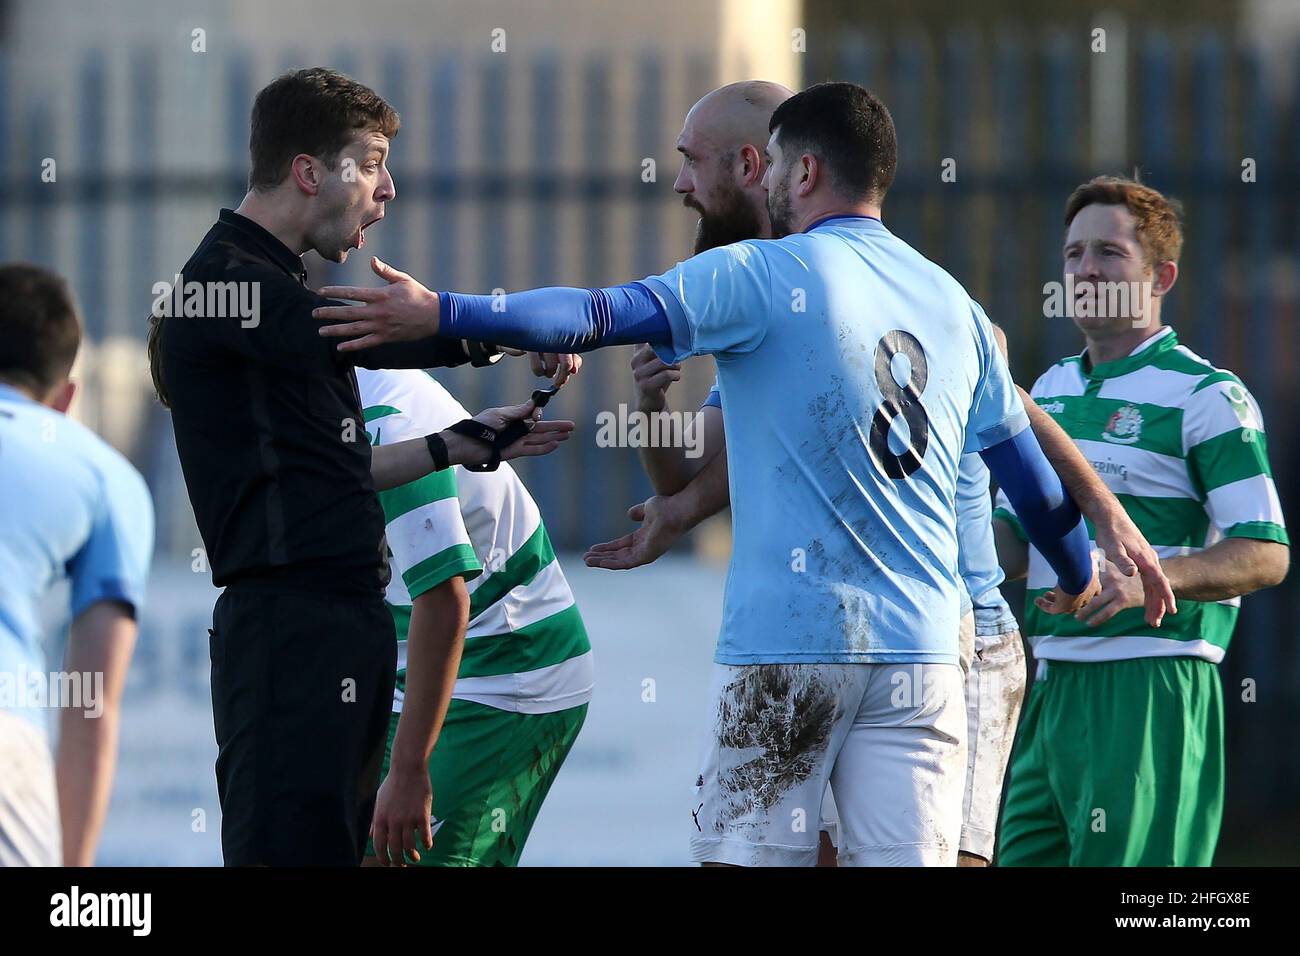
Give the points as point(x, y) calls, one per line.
point(361, 231)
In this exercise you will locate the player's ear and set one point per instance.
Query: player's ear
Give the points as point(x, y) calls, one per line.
point(61, 397)
point(810, 174)
point(1165, 275)
point(751, 165)
point(306, 173)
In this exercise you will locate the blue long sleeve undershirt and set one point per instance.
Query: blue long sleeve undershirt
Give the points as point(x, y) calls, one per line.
point(1049, 515)
point(557, 319)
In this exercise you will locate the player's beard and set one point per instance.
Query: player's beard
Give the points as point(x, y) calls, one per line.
point(778, 209)
point(733, 220)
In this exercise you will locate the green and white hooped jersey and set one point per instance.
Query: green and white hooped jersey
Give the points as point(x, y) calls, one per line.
point(526, 648)
point(1182, 445)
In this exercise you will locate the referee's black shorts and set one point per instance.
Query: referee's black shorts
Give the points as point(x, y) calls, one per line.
point(302, 689)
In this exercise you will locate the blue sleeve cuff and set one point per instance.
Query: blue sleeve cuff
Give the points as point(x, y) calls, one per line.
point(106, 589)
point(1005, 430)
point(678, 347)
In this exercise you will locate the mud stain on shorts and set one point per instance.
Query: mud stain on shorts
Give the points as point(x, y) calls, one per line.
point(776, 721)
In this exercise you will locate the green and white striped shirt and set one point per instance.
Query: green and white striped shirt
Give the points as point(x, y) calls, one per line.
point(526, 649)
point(1182, 445)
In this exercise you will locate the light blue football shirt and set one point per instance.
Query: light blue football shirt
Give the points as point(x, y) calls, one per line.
point(70, 505)
point(977, 555)
point(843, 512)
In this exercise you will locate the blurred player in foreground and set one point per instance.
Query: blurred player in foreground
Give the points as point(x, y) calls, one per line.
point(494, 669)
point(838, 656)
point(721, 178)
point(69, 505)
point(1120, 756)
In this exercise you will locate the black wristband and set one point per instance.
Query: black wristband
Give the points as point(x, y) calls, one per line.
point(480, 433)
point(481, 353)
point(437, 451)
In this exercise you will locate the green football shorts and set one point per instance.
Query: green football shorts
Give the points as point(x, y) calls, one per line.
point(490, 770)
point(1118, 763)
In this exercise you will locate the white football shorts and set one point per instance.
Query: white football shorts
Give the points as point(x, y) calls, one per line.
point(995, 688)
point(888, 738)
point(29, 802)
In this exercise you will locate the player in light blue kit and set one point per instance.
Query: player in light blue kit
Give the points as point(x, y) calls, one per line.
point(853, 374)
point(69, 505)
point(721, 143)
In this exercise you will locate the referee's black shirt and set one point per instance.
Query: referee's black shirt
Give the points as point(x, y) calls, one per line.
point(269, 424)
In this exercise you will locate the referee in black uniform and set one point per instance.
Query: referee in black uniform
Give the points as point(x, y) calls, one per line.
point(282, 478)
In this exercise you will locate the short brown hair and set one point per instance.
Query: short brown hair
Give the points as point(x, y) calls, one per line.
point(40, 330)
point(849, 129)
point(315, 111)
point(1157, 220)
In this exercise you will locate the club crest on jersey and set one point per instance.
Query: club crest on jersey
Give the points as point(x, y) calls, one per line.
point(1124, 427)
point(1235, 396)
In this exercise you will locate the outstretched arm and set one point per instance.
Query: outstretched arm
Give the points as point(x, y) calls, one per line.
point(1050, 518)
point(540, 320)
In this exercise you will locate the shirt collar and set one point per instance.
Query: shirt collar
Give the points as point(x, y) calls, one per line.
point(1146, 352)
point(858, 219)
point(9, 393)
point(275, 250)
